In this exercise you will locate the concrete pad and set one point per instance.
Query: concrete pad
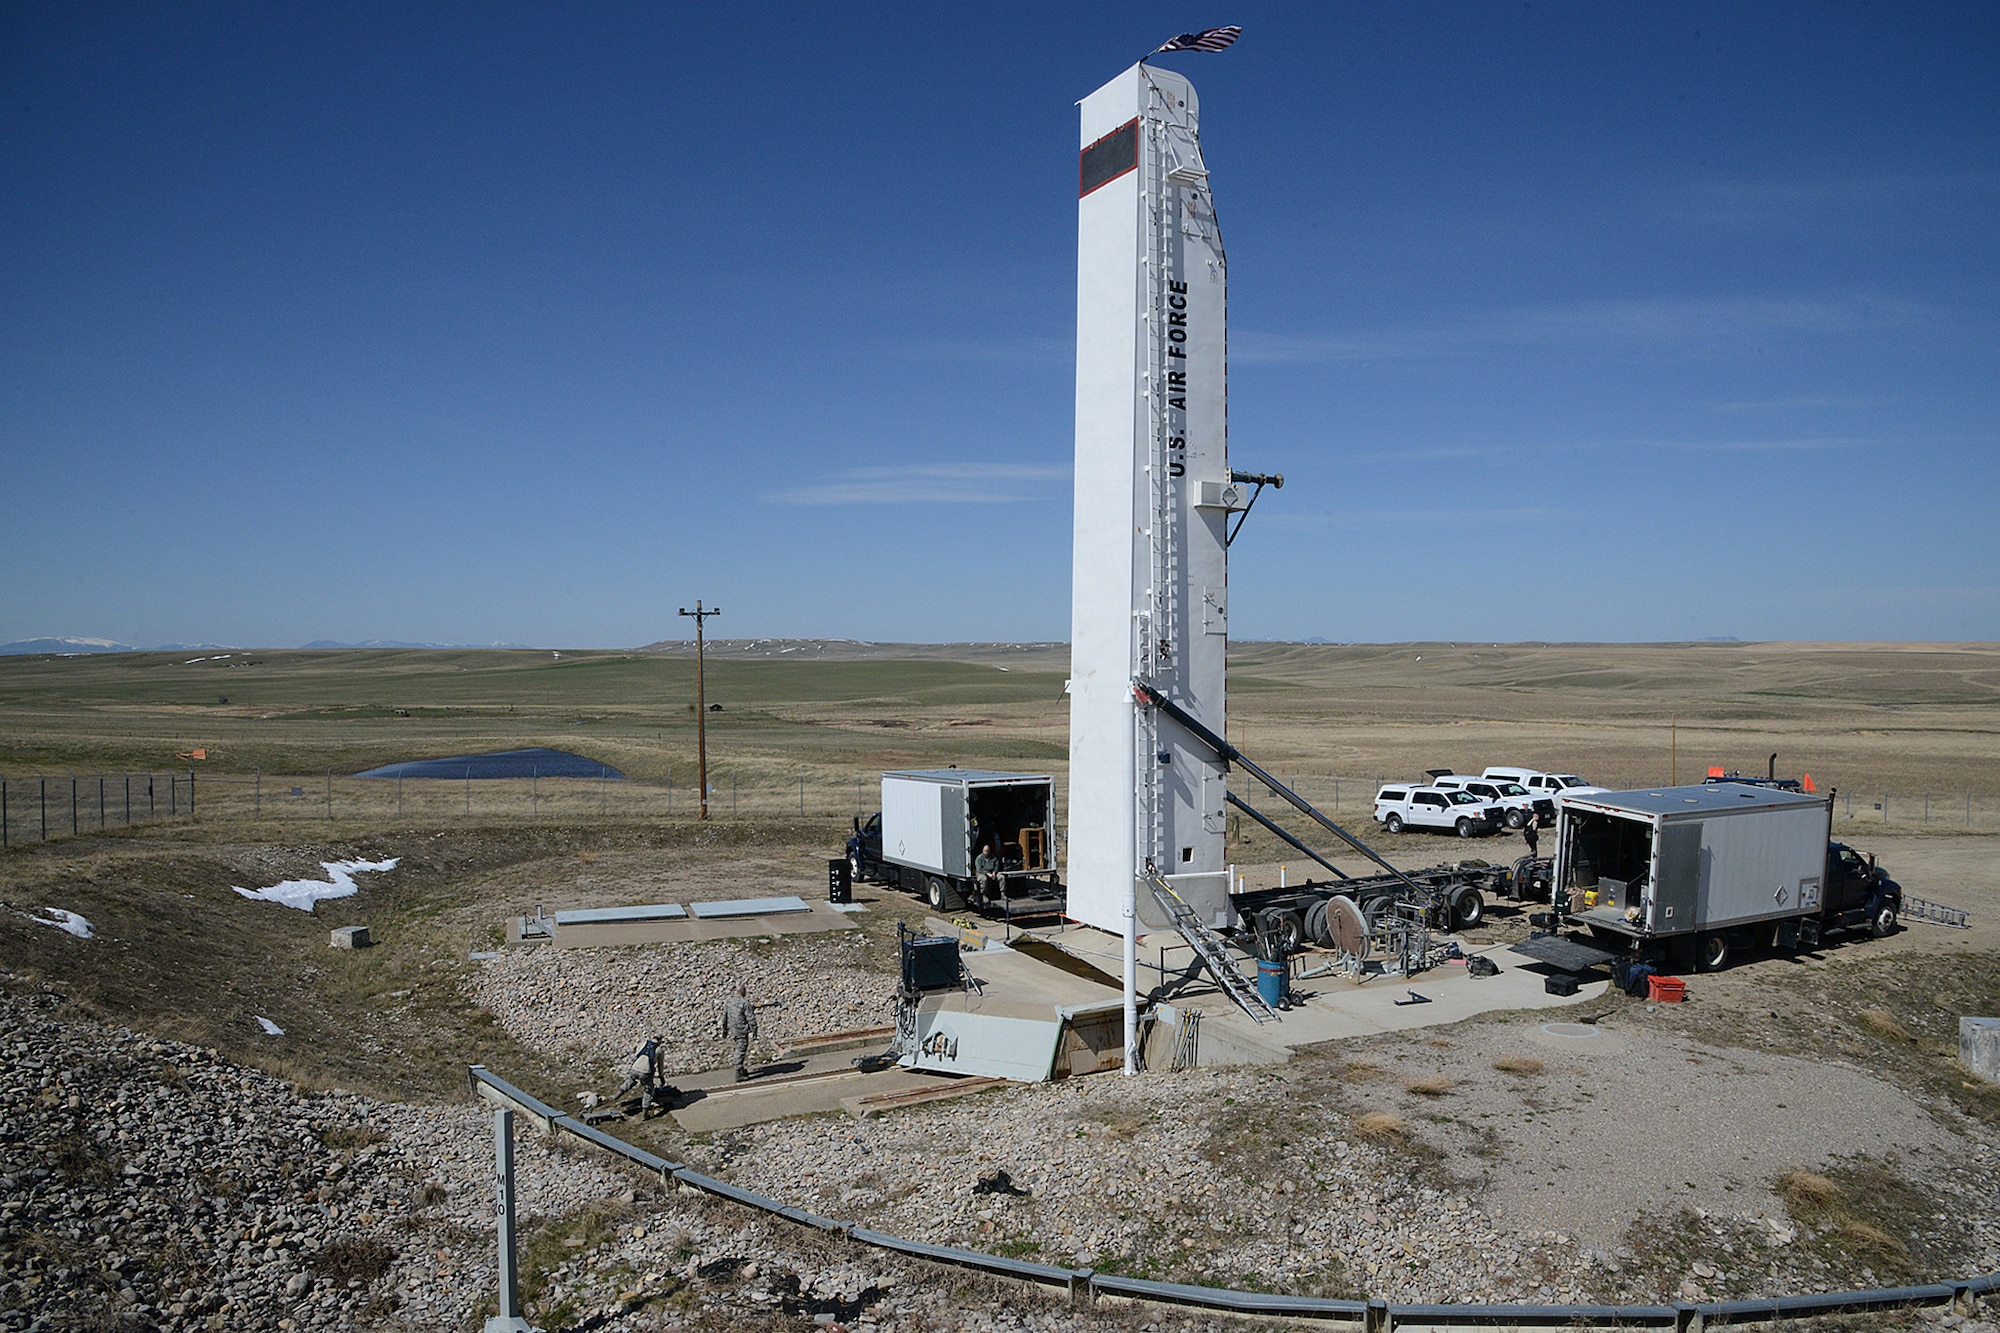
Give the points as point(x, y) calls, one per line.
point(611, 934)
point(1327, 1008)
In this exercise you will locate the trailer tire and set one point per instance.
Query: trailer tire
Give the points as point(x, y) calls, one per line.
point(1316, 930)
point(941, 896)
point(1711, 951)
point(1287, 926)
point(1394, 823)
point(1468, 908)
point(1521, 879)
point(1464, 826)
point(1883, 920)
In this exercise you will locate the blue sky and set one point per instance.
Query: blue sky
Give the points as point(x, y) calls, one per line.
point(478, 323)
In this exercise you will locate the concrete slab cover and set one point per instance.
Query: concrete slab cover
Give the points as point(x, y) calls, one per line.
point(996, 1045)
point(593, 916)
point(747, 907)
point(1979, 1046)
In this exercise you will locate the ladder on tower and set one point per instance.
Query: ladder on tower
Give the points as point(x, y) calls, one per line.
point(1211, 949)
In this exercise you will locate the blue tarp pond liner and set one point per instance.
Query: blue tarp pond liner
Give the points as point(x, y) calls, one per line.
point(499, 764)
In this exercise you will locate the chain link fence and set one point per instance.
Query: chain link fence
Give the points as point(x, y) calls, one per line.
point(43, 807)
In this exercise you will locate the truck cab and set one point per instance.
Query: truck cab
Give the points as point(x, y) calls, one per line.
point(1859, 893)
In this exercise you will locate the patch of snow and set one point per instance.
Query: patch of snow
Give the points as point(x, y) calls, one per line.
point(270, 1029)
point(303, 893)
point(61, 920)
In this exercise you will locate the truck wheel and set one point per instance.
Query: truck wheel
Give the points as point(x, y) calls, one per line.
point(1394, 823)
point(1316, 924)
point(854, 868)
point(1287, 926)
point(1468, 909)
point(1522, 878)
point(1464, 827)
point(1517, 818)
point(1883, 922)
point(1711, 952)
point(941, 896)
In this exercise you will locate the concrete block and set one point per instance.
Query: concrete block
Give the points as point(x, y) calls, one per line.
point(1979, 1046)
point(351, 937)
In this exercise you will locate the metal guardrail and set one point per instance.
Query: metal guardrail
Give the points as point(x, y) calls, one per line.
point(1372, 1316)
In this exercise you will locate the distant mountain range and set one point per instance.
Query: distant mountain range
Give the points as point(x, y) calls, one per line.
point(68, 646)
point(65, 645)
point(398, 643)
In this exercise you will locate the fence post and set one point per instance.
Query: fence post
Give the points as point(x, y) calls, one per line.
point(329, 793)
point(535, 790)
point(3, 812)
point(128, 800)
point(732, 793)
point(1885, 807)
point(670, 791)
point(1927, 807)
point(190, 793)
point(802, 794)
point(399, 796)
point(510, 1319)
point(100, 802)
point(1968, 809)
point(72, 805)
point(468, 791)
point(45, 809)
point(173, 795)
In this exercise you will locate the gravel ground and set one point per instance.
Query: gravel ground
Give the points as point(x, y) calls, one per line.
point(584, 1007)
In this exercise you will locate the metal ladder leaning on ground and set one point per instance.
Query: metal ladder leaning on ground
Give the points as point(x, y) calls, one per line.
point(1209, 946)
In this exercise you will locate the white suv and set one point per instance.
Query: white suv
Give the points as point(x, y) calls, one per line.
point(1543, 786)
point(1513, 799)
point(1399, 806)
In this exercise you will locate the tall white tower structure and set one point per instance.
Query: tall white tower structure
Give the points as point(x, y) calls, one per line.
point(1150, 595)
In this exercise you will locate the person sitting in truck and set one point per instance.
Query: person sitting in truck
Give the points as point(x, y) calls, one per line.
point(986, 872)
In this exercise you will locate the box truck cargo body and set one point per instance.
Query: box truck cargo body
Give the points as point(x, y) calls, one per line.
point(934, 821)
point(1713, 864)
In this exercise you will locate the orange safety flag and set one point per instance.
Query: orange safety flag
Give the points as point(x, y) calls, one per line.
point(1809, 783)
point(1715, 770)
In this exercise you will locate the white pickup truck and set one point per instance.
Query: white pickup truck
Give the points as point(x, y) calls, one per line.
point(1400, 805)
point(1518, 805)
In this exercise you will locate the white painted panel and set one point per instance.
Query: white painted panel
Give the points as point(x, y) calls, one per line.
point(912, 822)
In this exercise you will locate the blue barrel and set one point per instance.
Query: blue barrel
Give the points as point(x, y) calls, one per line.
point(1271, 981)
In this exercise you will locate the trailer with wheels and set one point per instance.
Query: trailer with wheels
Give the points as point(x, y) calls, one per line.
point(929, 835)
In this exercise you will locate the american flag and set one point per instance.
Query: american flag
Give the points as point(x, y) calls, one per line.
point(1208, 39)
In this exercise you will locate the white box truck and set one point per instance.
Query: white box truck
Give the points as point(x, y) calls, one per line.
point(933, 823)
point(1703, 870)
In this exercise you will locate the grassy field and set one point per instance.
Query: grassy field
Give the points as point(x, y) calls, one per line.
point(179, 953)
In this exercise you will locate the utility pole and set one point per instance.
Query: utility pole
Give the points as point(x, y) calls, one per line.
point(700, 698)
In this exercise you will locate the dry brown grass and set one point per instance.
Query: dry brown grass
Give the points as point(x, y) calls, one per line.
point(1360, 1071)
point(1865, 1239)
point(1523, 1065)
point(1807, 1194)
point(1437, 1085)
point(1883, 1024)
point(1384, 1127)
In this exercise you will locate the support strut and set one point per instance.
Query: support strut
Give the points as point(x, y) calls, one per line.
point(1229, 754)
point(1272, 828)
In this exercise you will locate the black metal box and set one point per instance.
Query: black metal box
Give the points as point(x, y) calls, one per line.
point(1562, 983)
point(839, 881)
point(930, 964)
